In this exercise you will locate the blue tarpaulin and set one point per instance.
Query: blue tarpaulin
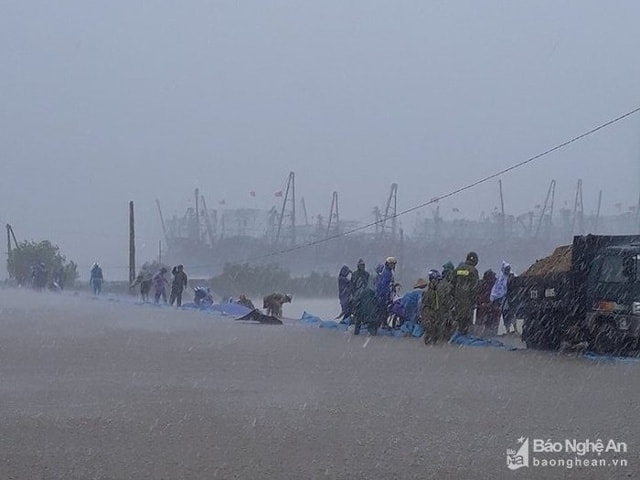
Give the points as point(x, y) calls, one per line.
point(473, 341)
point(313, 320)
point(610, 358)
point(456, 339)
point(231, 309)
point(344, 325)
point(412, 330)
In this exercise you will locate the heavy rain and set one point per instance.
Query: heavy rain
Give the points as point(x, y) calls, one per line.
point(320, 240)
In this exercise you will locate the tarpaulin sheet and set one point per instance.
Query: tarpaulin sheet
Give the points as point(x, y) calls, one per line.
point(610, 358)
point(473, 341)
point(231, 309)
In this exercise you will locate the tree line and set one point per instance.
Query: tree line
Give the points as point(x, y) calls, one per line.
point(236, 278)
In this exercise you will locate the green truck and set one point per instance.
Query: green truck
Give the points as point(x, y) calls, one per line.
point(589, 294)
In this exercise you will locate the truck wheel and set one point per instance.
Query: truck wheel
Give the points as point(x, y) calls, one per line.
point(606, 339)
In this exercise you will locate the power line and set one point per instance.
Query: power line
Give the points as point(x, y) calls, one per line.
point(457, 191)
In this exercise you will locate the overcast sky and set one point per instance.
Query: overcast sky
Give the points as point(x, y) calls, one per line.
point(106, 102)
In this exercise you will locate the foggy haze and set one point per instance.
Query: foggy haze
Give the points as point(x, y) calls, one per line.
point(106, 102)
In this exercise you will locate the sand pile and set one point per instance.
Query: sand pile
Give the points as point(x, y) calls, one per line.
point(558, 261)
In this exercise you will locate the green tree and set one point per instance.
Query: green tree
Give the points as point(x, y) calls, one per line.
point(28, 254)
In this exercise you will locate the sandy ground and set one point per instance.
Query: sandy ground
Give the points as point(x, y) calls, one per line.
point(99, 389)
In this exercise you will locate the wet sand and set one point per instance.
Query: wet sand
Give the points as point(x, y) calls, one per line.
point(99, 389)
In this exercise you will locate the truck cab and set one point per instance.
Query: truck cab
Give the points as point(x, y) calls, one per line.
point(613, 299)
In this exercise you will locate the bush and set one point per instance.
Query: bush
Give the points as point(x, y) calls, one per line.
point(263, 279)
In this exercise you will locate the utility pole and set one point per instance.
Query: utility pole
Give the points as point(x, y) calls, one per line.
point(132, 245)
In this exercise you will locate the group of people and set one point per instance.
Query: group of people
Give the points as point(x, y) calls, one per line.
point(146, 280)
point(436, 307)
point(367, 303)
point(202, 295)
point(41, 278)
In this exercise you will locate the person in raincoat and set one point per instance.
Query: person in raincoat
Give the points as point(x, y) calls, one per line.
point(178, 285)
point(360, 308)
point(411, 303)
point(499, 297)
point(487, 314)
point(39, 276)
point(273, 303)
point(202, 296)
point(384, 291)
point(344, 292)
point(359, 280)
point(145, 280)
point(465, 291)
point(245, 302)
point(447, 271)
point(160, 284)
point(96, 280)
point(435, 309)
point(365, 311)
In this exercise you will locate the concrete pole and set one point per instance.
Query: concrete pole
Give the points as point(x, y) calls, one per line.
point(132, 245)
